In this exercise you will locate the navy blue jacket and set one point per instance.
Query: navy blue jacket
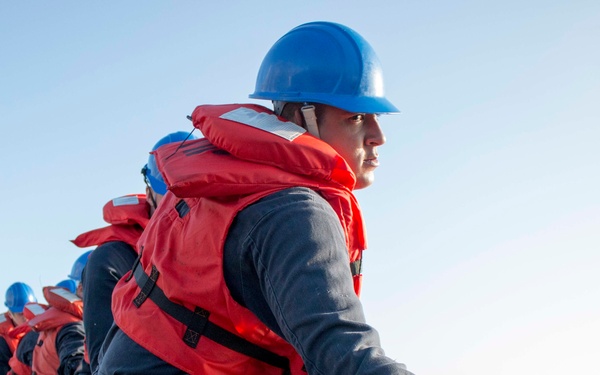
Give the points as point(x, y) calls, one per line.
point(104, 267)
point(286, 260)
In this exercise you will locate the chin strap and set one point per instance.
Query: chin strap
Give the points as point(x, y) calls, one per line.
point(308, 111)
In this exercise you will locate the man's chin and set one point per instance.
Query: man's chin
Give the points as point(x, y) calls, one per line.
point(364, 182)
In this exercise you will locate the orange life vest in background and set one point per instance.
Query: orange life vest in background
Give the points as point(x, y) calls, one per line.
point(7, 325)
point(30, 311)
point(18, 367)
point(211, 182)
point(128, 216)
point(65, 308)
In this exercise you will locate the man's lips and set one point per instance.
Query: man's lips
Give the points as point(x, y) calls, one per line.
point(372, 162)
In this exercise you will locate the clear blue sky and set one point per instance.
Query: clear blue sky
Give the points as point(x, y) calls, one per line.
point(483, 223)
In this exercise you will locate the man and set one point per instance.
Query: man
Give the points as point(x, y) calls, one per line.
point(21, 338)
point(251, 265)
point(116, 250)
point(60, 346)
point(127, 216)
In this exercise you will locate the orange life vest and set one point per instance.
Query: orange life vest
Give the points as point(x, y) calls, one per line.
point(128, 216)
point(30, 311)
point(65, 308)
point(7, 325)
point(212, 180)
point(18, 367)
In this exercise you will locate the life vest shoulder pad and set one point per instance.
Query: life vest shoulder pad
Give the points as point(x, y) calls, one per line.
point(128, 216)
point(64, 300)
point(127, 210)
point(33, 309)
point(51, 318)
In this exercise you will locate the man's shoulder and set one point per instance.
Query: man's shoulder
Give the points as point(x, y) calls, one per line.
point(111, 253)
point(111, 249)
point(292, 208)
point(113, 245)
point(290, 199)
point(292, 195)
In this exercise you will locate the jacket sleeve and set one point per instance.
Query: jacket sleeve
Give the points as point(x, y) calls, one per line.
point(5, 355)
point(25, 348)
point(105, 266)
point(70, 346)
point(286, 260)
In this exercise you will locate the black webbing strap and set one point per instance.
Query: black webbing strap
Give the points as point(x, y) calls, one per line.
point(356, 267)
point(147, 287)
point(182, 208)
point(198, 325)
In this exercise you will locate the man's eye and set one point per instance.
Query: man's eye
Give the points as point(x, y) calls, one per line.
point(357, 118)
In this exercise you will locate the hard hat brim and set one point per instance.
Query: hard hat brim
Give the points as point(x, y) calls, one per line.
point(374, 105)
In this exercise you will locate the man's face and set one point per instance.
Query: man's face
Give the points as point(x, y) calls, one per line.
point(355, 136)
point(153, 199)
point(18, 318)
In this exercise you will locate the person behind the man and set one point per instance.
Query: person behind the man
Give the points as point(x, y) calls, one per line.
point(116, 250)
point(23, 338)
point(8, 344)
point(75, 286)
point(60, 345)
point(6, 350)
point(252, 262)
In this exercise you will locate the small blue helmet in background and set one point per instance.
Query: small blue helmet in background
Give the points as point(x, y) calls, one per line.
point(17, 295)
point(150, 171)
point(69, 284)
point(78, 266)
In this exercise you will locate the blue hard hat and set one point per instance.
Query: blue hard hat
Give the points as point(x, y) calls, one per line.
point(17, 295)
point(78, 266)
point(69, 284)
point(150, 170)
point(324, 62)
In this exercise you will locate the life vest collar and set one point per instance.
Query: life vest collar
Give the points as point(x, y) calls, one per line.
point(64, 300)
point(128, 216)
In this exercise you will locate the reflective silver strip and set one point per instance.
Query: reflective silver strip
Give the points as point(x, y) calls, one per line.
point(264, 121)
point(35, 309)
point(65, 294)
point(125, 201)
